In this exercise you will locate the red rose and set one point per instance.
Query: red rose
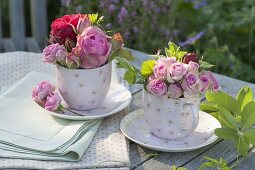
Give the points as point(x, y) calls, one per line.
point(61, 28)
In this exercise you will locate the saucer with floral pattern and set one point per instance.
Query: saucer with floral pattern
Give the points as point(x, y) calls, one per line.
point(135, 128)
point(117, 99)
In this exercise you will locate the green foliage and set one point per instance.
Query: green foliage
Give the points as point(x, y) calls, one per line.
point(179, 168)
point(93, 18)
point(236, 115)
point(132, 75)
point(147, 68)
point(174, 51)
point(220, 164)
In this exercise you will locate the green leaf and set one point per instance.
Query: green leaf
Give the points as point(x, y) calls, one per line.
point(222, 100)
point(227, 119)
point(249, 135)
point(125, 54)
point(207, 165)
point(209, 106)
point(226, 133)
point(130, 77)
point(205, 65)
point(243, 146)
point(244, 96)
point(248, 115)
point(180, 55)
point(147, 67)
point(173, 47)
point(93, 18)
point(123, 63)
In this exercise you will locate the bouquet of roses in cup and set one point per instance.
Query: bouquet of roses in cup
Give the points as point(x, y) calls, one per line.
point(176, 74)
point(82, 53)
point(78, 41)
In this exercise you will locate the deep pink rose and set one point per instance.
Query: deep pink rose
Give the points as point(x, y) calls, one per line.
point(190, 83)
point(54, 52)
point(193, 67)
point(176, 71)
point(168, 61)
point(160, 71)
point(93, 47)
point(157, 87)
point(52, 102)
point(41, 91)
point(205, 82)
point(175, 91)
point(214, 83)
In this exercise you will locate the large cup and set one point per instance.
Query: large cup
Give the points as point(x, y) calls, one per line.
point(84, 89)
point(171, 118)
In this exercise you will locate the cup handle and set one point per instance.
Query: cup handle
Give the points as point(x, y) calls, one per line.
point(191, 108)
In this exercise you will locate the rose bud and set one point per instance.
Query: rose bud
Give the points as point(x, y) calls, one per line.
point(190, 57)
point(82, 25)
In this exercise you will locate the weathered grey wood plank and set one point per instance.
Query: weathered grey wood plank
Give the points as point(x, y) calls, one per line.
point(224, 149)
point(32, 45)
point(1, 34)
point(8, 45)
point(17, 23)
point(248, 163)
point(38, 10)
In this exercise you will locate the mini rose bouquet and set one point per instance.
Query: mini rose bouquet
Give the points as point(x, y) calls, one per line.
point(176, 74)
point(78, 41)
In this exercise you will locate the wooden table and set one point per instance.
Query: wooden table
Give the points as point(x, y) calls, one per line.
point(143, 158)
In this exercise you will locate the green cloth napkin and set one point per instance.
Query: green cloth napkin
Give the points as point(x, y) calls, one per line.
point(28, 131)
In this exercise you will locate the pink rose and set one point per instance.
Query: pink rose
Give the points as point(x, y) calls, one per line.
point(160, 71)
point(52, 102)
point(193, 67)
point(157, 87)
point(151, 77)
point(54, 52)
point(93, 47)
point(174, 91)
point(205, 82)
point(214, 83)
point(168, 61)
point(41, 91)
point(83, 23)
point(190, 83)
point(73, 61)
point(176, 71)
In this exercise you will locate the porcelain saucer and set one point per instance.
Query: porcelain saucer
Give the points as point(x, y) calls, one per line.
point(135, 128)
point(118, 98)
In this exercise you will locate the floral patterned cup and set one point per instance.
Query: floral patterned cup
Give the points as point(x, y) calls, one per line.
point(84, 89)
point(171, 118)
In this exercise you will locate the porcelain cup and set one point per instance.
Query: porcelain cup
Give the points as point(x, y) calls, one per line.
point(83, 89)
point(171, 118)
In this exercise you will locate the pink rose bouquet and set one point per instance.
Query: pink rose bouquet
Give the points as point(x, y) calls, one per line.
point(78, 41)
point(175, 74)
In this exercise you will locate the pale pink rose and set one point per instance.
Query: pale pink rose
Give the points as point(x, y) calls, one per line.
point(174, 91)
point(73, 61)
point(168, 61)
point(52, 102)
point(41, 91)
point(151, 77)
point(193, 67)
point(160, 71)
point(83, 23)
point(205, 82)
point(157, 87)
point(177, 71)
point(215, 85)
point(93, 47)
point(191, 83)
point(54, 52)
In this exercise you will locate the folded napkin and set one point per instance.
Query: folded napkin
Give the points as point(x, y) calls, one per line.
point(28, 131)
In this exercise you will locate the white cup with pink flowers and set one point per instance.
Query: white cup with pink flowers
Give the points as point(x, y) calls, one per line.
point(82, 53)
point(173, 85)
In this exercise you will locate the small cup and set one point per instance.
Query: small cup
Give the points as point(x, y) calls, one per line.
point(171, 118)
point(84, 89)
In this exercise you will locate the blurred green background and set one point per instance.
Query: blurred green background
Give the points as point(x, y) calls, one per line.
point(221, 31)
